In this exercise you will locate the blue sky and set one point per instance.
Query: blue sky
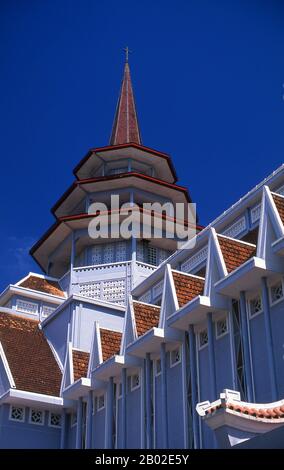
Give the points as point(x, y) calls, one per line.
point(208, 78)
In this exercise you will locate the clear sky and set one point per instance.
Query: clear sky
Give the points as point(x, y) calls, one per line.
point(208, 78)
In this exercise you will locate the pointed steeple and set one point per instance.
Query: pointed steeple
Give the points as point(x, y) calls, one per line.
point(125, 127)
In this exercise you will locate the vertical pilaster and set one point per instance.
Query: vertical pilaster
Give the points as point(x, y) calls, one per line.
point(79, 423)
point(89, 423)
point(164, 396)
point(72, 261)
point(193, 380)
point(149, 438)
point(184, 372)
point(245, 342)
point(211, 351)
point(123, 407)
point(109, 417)
point(269, 342)
point(232, 349)
point(63, 429)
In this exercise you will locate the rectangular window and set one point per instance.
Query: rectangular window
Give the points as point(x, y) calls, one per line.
point(152, 255)
point(221, 327)
point(36, 417)
point(175, 357)
point(26, 307)
point(255, 305)
point(54, 420)
point(17, 413)
point(276, 292)
point(100, 402)
point(203, 338)
point(46, 310)
point(158, 368)
point(135, 382)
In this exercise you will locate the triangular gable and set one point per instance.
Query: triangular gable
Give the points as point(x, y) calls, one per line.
point(169, 297)
point(68, 374)
point(215, 269)
point(6, 378)
point(270, 229)
point(129, 334)
point(96, 355)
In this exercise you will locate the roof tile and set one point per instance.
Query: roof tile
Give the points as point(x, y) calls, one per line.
point(110, 341)
point(187, 287)
point(43, 285)
point(146, 317)
point(31, 361)
point(279, 203)
point(235, 252)
point(80, 364)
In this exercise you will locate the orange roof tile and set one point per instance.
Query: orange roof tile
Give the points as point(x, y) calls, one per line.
point(262, 413)
point(110, 341)
point(235, 252)
point(146, 317)
point(43, 285)
point(279, 203)
point(80, 364)
point(31, 361)
point(187, 287)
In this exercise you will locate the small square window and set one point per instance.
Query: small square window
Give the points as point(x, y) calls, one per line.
point(54, 420)
point(276, 292)
point(255, 305)
point(221, 327)
point(175, 357)
point(17, 413)
point(203, 338)
point(158, 367)
point(36, 417)
point(135, 381)
point(100, 402)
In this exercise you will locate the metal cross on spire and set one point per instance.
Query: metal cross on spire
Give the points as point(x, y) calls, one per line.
point(127, 52)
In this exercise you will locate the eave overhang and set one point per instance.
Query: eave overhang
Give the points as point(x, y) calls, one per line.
point(192, 313)
point(129, 150)
point(133, 179)
point(151, 341)
point(14, 396)
point(245, 278)
point(78, 389)
point(30, 293)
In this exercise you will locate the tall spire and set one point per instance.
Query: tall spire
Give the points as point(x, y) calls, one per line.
point(125, 126)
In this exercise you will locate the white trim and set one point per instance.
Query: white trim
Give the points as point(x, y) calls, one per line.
point(188, 274)
point(7, 367)
point(24, 396)
point(173, 364)
point(55, 354)
point(41, 276)
point(17, 420)
point(242, 242)
point(42, 413)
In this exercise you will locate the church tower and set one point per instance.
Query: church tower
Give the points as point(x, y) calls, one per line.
point(107, 269)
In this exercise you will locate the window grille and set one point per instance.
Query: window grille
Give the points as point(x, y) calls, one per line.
point(175, 357)
point(221, 327)
point(203, 338)
point(135, 381)
point(255, 305)
point(54, 420)
point(36, 416)
point(26, 307)
point(17, 413)
point(276, 292)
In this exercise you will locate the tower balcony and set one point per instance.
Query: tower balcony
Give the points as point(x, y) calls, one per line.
point(111, 282)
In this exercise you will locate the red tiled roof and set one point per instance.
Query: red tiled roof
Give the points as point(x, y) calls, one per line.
point(31, 361)
point(187, 287)
point(125, 127)
point(43, 285)
point(110, 341)
point(279, 203)
point(146, 317)
point(80, 364)
point(235, 252)
point(262, 413)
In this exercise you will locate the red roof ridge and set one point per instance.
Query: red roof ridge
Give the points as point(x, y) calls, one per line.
point(236, 240)
point(188, 274)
